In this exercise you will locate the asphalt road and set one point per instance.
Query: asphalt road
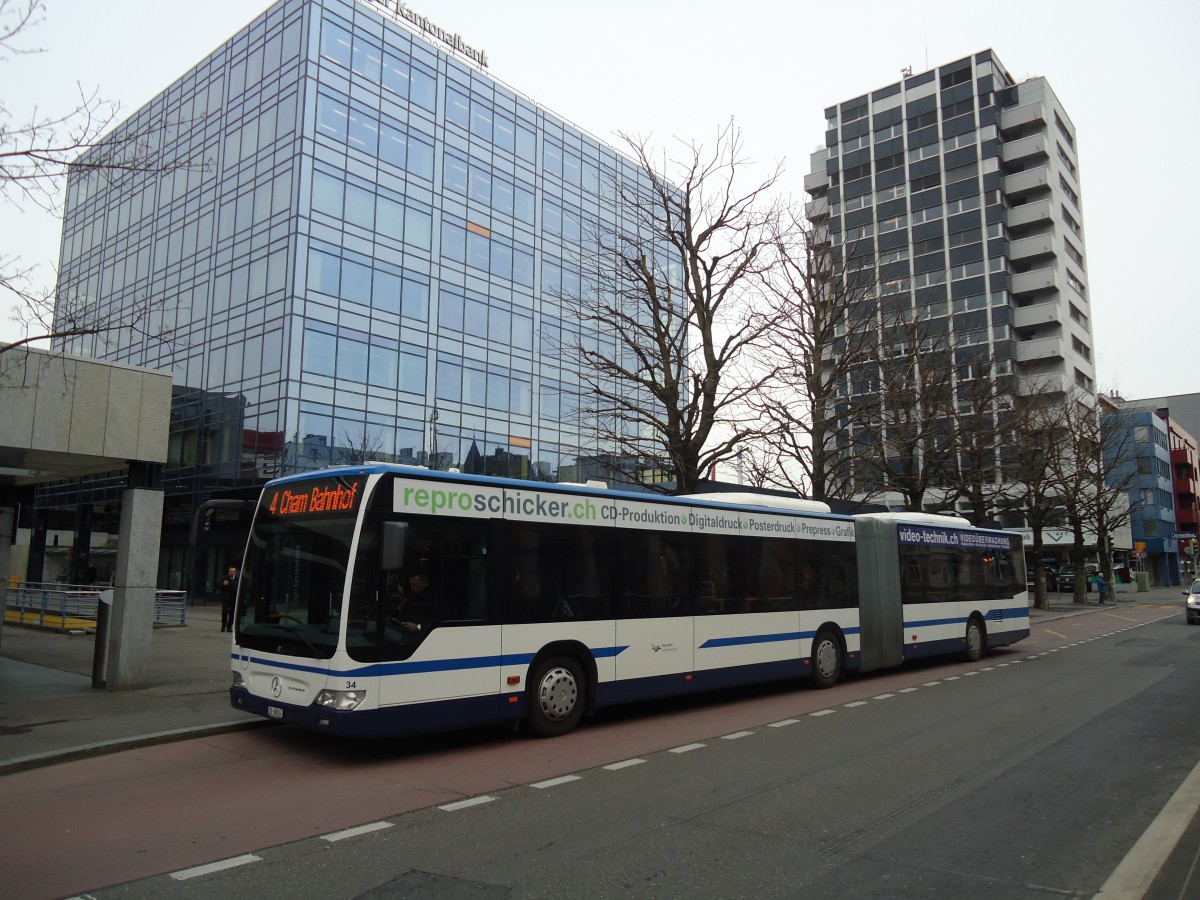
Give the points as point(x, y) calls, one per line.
point(1029, 774)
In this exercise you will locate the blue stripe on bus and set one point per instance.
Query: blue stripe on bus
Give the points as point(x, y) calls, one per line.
point(764, 638)
point(413, 668)
point(607, 652)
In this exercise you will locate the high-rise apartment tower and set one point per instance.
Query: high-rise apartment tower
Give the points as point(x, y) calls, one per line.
point(959, 189)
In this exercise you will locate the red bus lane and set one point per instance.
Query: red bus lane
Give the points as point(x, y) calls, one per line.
point(173, 806)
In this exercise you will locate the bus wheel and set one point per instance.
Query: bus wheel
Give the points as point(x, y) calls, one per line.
point(556, 696)
point(974, 650)
point(826, 659)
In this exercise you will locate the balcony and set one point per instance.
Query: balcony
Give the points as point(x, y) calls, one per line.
point(815, 181)
point(1037, 315)
point(1024, 148)
point(1020, 116)
point(1028, 213)
point(816, 209)
point(1040, 349)
point(1037, 281)
point(1044, 383)
point(1031, 247)
point(1027, 182)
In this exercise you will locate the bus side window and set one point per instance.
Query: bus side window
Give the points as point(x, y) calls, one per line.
point(459, 554)
point(713, 568)
point(772, 576)
point(557, 573)
point(651, 572)
point(464, 598)
point(582, 560)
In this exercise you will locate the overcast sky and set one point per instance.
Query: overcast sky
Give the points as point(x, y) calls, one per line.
point(1128, 77)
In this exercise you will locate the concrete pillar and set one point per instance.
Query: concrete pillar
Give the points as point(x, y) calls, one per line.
point(36, 563)
point(82, 550)
point(134, 581)
point(8, 524)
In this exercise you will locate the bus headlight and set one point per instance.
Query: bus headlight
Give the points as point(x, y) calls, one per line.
point(340, 699)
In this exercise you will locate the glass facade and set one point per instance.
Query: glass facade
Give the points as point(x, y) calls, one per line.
point(356, 245)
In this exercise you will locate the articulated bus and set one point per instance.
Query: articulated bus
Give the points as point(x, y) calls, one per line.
point(390, 600)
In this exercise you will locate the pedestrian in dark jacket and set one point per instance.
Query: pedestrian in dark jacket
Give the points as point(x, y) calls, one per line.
point(228, 592)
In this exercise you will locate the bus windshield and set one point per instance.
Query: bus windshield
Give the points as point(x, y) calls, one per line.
point(293, 578)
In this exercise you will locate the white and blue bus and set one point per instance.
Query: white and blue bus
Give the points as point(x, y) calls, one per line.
point(386, 600)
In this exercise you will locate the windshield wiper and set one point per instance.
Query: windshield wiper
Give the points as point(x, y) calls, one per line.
point(296, 634)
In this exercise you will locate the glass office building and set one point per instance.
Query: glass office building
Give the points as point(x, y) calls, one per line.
point(357, 244)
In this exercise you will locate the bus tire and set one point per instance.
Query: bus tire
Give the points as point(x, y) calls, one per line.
point(975, 640)
point(826, 659)
point(557, 696)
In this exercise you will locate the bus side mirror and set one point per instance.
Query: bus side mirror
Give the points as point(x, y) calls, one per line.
point(391, 555)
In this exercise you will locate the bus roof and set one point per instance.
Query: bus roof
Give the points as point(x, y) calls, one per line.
point(738, 499)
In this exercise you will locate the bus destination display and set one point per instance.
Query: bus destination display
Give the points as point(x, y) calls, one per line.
point(332, 497)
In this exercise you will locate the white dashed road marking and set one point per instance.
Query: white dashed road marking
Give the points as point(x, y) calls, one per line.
point(355, 832)
point(623, 764)
point(464, 804)
point(221, 866)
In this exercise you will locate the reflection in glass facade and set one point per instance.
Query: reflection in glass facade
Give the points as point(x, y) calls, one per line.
point(357, 241)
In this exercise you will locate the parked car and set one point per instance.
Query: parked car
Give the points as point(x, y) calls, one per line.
point(1065, 579)
point(1193, 603)
point(1031, 578)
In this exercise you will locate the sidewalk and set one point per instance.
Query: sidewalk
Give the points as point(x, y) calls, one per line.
point(1062, 605)
point(50, 713)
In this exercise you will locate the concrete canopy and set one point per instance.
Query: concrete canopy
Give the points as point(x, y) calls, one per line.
point(68, 416)
point(64, 417)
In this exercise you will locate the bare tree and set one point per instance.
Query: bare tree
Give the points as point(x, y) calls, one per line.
point(901, 407)
point(1034, 438)
point(675, 292)
point(1076, 470)
point(819, 337)
point(37, 150)
point(353, 451)
point(981, 416)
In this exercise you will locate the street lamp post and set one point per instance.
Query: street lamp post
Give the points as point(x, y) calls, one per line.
point(433, 417)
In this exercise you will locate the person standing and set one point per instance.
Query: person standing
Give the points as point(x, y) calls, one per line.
point(1102, 587)
point(228, 592)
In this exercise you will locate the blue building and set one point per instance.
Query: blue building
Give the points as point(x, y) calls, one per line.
point(1142, 442)
point(357, 241)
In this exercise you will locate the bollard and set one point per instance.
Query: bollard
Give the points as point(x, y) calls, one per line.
point(100, 651)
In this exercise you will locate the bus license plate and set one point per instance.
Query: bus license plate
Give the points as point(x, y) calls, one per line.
point(274, 712)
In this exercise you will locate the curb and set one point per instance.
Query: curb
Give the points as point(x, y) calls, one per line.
point(117, 745)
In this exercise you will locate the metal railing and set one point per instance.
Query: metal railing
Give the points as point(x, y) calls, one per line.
point(73, 607)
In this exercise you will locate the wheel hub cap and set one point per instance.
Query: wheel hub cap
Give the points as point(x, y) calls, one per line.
point(557, 694)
